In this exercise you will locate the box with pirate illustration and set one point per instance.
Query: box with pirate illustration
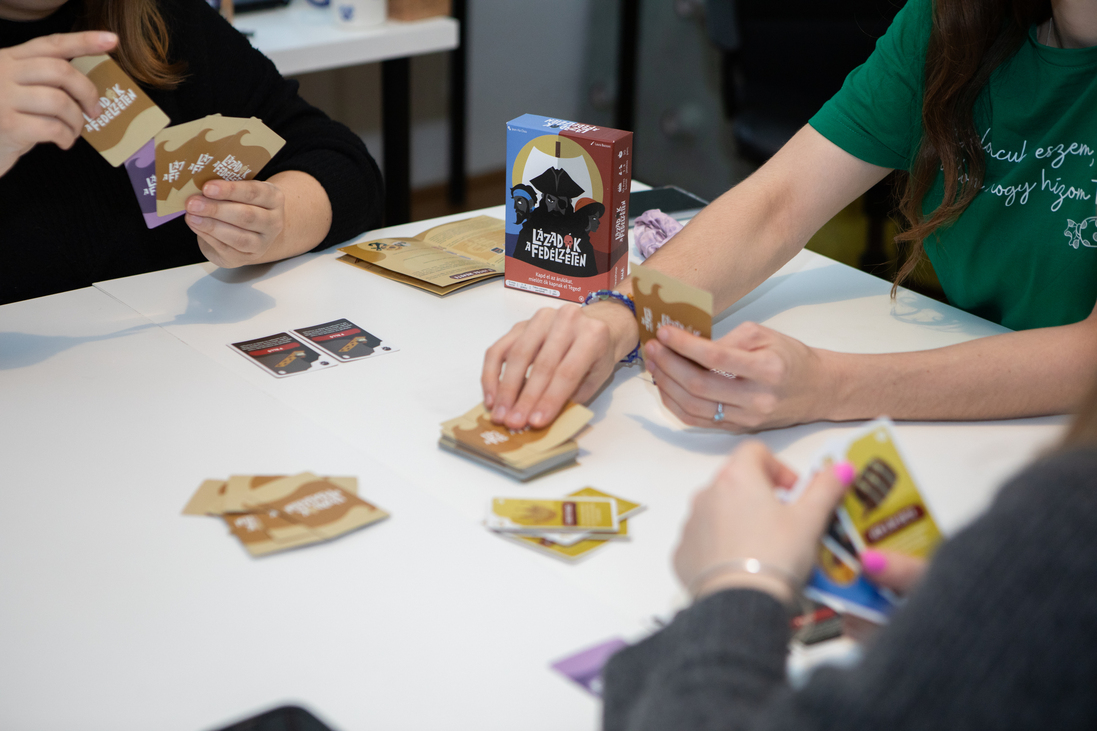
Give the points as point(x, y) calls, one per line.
point(567, 206)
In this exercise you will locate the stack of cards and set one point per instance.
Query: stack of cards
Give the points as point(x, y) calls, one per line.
point(663, 300)
point(882, 510)
point(270, 513)
point(573, 543)
point(522, 454)
point(312, 348)
point(165, 166)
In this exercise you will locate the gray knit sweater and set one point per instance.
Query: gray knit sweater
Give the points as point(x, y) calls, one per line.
point(1001, 634)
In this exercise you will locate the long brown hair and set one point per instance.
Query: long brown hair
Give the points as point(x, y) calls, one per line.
point(969, 40)
point(142, 39)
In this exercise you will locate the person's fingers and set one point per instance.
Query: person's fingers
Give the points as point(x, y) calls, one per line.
point(576, 377)
point(46, 101)
point(242, 216)
point(698, 408)
point(712, 355)
point(254, 193)
point(518, 359)
point(33, 129)
point(696, 381)
point(896, 571)
point(493, 363)
point(568, 343)
point(60, 74)
point(66, 45)
point(244, 242)
point(818, 502)
point(216, 252)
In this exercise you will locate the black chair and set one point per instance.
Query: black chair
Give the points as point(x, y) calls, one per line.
point(781, 60)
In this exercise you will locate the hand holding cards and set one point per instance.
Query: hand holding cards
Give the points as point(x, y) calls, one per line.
point(275, 513)
point(522, 454)
point(663, 300)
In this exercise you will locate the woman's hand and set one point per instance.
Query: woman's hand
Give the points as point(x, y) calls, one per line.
point(42, 97)
point(238, 222)
point(572, 352)
point(778, 380)
point(896, 571)
point(739, 516)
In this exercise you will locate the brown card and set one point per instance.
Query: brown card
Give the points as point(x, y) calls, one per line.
point(663, 300)
point(129, 118)
point(207, 499)
point(267, 532)
point(319, 505)
point(238, 493)
point(475, 430)
point(190, 155)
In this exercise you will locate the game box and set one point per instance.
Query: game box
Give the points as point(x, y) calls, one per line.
point(567, 206)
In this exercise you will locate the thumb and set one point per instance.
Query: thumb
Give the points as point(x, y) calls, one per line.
point(896, 571)
point(816, 505)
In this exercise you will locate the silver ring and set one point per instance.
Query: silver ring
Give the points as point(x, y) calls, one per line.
point(725, 374)
point(719, 415)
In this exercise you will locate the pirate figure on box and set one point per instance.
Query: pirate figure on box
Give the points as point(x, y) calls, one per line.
point(554, 235)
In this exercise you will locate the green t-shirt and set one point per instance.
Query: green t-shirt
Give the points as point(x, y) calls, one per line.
point(1024, 253)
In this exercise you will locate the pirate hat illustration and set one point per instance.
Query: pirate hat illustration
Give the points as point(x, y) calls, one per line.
point(558, 183)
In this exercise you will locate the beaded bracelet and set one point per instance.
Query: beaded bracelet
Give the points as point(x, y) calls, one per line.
point(603, 295)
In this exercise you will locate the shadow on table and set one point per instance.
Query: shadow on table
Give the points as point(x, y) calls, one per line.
point(717, 442)
point(18, 350)
point(227, 295)
point(285, 718)
point(828, 284)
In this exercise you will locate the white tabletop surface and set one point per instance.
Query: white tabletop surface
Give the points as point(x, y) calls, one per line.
point(138, 617)
point(301, 38)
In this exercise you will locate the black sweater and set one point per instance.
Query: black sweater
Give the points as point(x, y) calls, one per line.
point(68, 219)
point(1001, 634)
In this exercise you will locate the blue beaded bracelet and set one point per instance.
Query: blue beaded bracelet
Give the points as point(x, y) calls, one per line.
point(608, 294)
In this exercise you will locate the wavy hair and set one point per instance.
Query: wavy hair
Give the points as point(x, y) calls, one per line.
point(143, 50)
point(969, 40)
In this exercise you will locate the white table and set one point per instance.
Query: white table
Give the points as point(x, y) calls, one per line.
point(300, 38)
point(144, 618)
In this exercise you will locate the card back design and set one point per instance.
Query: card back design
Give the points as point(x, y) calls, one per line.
point(344, 340)
point(282, 355)
point(129, 118)
point(663, 300)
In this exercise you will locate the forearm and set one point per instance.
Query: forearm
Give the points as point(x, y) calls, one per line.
point(1027, 373)
point(307, 215)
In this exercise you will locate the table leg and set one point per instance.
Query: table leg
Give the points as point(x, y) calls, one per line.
point(396, 136)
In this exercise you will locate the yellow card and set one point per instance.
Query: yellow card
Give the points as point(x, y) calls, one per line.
point(597, 515)
point(663, 300)
point(570, 553)
point(129, 118)
point(884, 509)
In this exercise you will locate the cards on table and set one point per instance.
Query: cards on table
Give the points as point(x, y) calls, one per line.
point(572, 545)
point(882, 510)
point(312, 348)
point(663, 300)
point(271, 513)
point(522, 454)
point(440, 260)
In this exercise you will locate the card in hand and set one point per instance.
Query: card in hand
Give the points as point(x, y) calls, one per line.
point(141, 168)
point(344, 340)
point(663, 300)
point(283, 355)
point(129, 118)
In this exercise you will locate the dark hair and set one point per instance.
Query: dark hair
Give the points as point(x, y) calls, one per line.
point(968, 41)
point(142, 39)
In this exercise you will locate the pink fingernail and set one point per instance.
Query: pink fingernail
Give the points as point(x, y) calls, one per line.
point(212, 189)
point(536, 418)
point(663, 334)
point(873, 561)
point(106, 38)
point(845, 472)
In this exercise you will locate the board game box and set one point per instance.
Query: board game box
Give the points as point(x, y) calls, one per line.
point(567, 206)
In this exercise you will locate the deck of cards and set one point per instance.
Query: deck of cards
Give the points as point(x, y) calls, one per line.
point(522, 454)
point(312, 348)
point(165, 164)
point(567, 528)
point(271, 513)
point(882, 510)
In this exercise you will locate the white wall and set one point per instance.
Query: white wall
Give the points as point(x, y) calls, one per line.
point(525, 56)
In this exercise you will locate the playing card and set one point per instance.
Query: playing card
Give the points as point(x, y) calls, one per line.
point(315, 503)
point(663, 300)
point(141, 169)
point(475, 431)
point(129, 118)
point(282, 354)
point(208, 498)
point(585, 667)
point(344, 340)
point(523, 515)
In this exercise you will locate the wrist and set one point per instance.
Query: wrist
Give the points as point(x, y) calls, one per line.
point(623, 331)
point(771, 585)
point(747, 573)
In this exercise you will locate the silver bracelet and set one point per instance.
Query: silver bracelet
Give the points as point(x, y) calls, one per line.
point(745, 566)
